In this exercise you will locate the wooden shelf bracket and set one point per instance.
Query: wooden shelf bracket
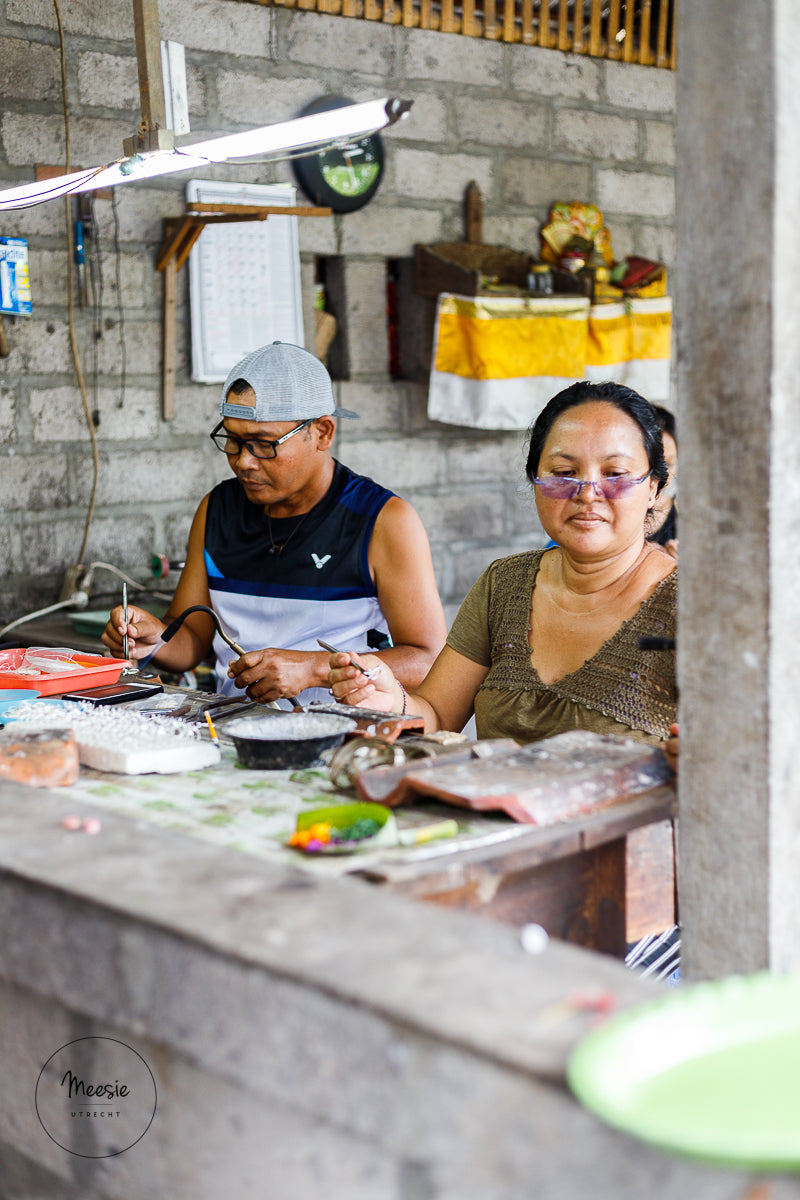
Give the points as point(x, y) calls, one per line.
point(180, 234)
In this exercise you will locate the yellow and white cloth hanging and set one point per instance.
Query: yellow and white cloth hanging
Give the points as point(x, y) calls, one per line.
point(497, 360)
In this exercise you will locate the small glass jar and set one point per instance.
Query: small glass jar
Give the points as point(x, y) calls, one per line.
point(540, 280)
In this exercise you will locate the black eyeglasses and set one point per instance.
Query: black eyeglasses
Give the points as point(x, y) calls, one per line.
point(228, 443)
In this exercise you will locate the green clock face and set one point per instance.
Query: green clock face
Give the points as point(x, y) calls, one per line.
point(351, 170)
point(343, 178)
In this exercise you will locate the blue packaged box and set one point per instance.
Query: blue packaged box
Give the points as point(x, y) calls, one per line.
point(15, 283)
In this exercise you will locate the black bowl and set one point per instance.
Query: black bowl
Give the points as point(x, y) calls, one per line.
point(265, 746)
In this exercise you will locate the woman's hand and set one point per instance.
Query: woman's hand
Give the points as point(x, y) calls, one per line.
point(351, 686)
point(671, 747)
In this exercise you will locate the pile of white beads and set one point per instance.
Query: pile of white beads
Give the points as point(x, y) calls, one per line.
point(122, 741)
point(290, 728)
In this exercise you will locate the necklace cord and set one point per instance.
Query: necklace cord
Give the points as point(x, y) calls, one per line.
point(279, 547)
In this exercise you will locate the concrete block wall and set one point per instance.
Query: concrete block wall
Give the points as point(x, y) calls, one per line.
point(529, 125)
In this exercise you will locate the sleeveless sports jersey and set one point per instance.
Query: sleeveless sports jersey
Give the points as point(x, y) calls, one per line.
point(318, 586)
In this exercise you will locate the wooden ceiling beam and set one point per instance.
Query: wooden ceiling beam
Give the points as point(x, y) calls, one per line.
point(152, 133)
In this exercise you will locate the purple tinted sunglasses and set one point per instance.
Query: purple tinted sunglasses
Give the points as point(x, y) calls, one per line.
point(564, 487)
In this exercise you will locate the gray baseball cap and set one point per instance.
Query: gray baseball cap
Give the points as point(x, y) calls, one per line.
point(289, 385)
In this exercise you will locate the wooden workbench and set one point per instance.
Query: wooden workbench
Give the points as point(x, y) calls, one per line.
point(570, 878)
point(576, 879)
point(305, 1035)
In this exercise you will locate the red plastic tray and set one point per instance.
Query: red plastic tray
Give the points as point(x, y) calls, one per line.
point(94, 671)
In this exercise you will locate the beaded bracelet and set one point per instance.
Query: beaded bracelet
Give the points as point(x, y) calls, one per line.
point(405, 697)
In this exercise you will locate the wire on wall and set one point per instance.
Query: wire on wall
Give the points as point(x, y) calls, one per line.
point(96, 287)
point(120, 310)
point(272, 37)
point(71, 298)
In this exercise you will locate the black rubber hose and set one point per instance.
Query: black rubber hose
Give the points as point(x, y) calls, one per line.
point(176, 623)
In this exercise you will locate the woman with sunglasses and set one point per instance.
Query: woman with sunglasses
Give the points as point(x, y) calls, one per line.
point(548, 640)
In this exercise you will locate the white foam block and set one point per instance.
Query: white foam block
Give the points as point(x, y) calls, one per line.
point(157, 760)
point(123, 741)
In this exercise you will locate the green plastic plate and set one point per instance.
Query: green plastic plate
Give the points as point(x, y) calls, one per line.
point(91, 623)
point(342, 815)
point(711, 1071)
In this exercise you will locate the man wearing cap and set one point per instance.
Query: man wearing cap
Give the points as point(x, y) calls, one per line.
point(297, 547)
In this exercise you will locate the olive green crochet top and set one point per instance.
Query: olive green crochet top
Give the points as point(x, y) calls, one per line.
point(621, 689)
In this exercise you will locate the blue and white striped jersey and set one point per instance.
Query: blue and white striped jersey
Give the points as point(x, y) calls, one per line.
point(317, 585)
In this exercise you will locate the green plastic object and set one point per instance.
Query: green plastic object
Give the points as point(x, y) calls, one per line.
point(711, 1071)
point(344, 816)
point(90, 623)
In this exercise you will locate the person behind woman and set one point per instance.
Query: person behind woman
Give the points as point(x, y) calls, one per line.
point(547, 640)
point(663, 527)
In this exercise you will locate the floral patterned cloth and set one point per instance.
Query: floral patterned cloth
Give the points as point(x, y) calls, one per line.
point(254, 811)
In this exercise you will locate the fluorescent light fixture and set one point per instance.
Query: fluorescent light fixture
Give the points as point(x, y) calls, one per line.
point(303, 133)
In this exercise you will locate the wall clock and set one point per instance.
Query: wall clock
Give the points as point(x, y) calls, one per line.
point(343, 178)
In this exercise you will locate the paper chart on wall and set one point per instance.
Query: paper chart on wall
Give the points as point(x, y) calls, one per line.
point(244, 279)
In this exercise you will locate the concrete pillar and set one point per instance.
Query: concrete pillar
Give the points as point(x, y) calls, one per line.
point(738, 300)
